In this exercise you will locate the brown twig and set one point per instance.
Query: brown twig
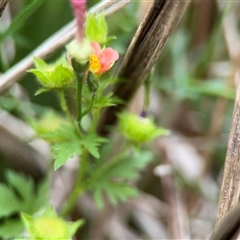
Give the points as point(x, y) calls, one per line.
point(143, 52)
point(230, 187)
point(56, 41)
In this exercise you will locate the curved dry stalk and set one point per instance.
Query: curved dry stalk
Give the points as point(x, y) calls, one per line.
point(3, 4)
point(143, 52)
point(55, 42)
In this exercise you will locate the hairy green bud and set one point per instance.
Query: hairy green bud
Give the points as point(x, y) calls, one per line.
point(139, 129)
point(53, 76)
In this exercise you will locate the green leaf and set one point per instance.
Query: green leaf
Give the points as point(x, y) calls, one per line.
point(8, 201)
point(65, 150)
point(22, 185)
point(92, 143)
point(214, 88)
point(96, 28)
point(117, 192)
point(128, 167)
point(31, 201)
point(41, 197)
point(63, 133)
point(11, 228)
point(112, 178)
point(20, 196)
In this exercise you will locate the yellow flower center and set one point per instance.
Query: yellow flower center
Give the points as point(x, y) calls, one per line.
point(94, 63)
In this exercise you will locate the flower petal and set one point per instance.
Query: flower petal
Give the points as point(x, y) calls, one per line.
point(108, 56)
point(96, 48)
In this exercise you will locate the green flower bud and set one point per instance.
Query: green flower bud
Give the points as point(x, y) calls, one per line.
point(80, 50)
point(139, 129)
point(49, 227)
point(49, 123)
point(53, 76)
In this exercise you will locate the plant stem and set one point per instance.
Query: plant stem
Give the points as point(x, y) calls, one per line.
point(65, 107)
point(78, 188)
point(79, 100)
point(95, 118)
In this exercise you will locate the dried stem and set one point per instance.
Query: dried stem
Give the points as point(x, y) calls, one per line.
point(143, 52)
point(230, 227)
point(53, 43)
point(177, 217)
point(230, 187)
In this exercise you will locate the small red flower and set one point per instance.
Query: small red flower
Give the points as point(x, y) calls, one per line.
point(102, 59)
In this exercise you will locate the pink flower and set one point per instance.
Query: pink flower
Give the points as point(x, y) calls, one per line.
point(79, 8)
point(102, 59)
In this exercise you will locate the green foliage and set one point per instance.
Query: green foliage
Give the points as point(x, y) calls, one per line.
point(65, 150)
point(72, 144)
point(68, 145)
point(8, 202)
point(92, 143)
point(96, 28)
point(114, 178)
point(19, 195)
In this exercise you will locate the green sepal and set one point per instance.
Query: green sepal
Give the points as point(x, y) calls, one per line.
point(39, 63)
point(40, 91)
point(109, 39)
point(96, 28)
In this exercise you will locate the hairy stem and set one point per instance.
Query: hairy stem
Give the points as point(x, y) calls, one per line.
point(64, 107)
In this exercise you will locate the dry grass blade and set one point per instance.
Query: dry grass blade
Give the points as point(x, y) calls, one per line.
point(144, 49)
point(230, 187)
point(3, 4)
point(56, 41)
